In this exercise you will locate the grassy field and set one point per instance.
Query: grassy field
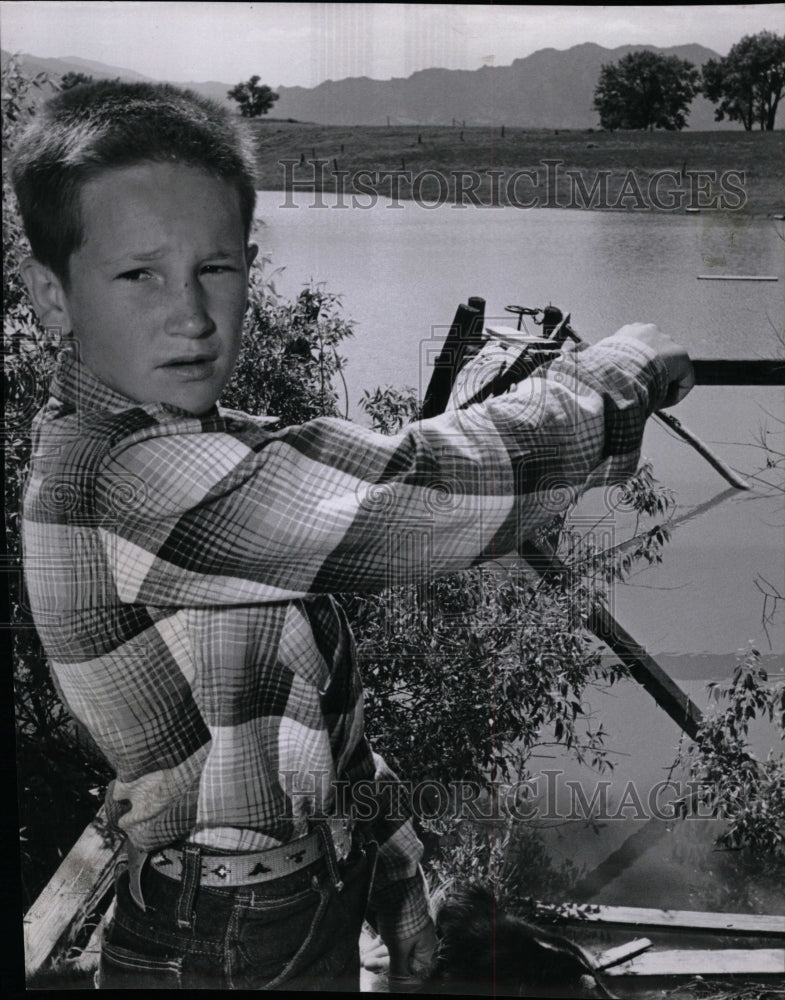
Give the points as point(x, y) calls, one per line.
point(709, 170)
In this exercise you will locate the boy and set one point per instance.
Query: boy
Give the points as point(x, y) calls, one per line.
point(179, 557)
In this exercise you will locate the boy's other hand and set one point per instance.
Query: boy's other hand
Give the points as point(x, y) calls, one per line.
point(411, 959)
point(375, 957)
point(681, 375)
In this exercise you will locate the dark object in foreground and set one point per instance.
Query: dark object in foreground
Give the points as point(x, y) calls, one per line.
point(739, 371)
point(483, 951)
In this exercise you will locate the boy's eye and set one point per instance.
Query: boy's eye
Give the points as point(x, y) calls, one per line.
point(216, 268)
point(137, 274)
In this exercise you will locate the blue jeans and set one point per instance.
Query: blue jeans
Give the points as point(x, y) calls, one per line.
point(298, 932)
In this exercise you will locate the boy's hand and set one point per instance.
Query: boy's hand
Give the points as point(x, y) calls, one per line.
point(376, 957)
point(410, 960)
point(681, 376)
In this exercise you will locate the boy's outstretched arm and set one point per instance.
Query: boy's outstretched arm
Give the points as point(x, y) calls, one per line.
point(242, 514)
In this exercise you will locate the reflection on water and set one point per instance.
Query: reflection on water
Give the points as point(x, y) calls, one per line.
point(402, 273)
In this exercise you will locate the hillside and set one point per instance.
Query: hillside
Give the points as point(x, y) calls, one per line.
point(548, 89)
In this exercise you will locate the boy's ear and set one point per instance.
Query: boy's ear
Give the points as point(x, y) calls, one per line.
point(47, 294)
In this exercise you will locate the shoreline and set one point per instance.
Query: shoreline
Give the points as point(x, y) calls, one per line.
point(403, 200)
point(673, 173)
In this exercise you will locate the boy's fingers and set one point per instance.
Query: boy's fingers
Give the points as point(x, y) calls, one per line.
point(681, 375)
point(376, 959)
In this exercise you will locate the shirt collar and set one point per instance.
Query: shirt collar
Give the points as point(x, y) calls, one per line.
point(74, 384)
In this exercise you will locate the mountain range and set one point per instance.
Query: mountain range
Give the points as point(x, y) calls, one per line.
point(550, 88)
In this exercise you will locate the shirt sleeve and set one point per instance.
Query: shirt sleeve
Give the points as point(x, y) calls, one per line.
point(241, 514)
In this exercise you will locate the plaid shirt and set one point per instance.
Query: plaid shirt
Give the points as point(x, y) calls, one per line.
point(179, 571)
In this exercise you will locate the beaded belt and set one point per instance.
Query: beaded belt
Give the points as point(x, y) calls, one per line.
point(243, 869)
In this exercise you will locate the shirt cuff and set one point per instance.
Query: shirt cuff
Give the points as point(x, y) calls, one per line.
point(401, 908)
point(634, 358)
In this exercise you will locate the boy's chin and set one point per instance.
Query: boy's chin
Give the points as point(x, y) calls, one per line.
point(196, 396)
point(196, 401)
point(196, 407)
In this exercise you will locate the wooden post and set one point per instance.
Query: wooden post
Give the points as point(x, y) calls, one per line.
point(76, 890)
point(642, 667)
point(742, 371)
point(463, 340)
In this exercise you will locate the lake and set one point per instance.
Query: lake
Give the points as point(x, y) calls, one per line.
point(402, 272)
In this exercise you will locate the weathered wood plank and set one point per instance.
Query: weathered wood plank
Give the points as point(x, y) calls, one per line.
point(711, 962)
point(87, 961)
point(73, 892)
point(725, 923)
point(622, 953)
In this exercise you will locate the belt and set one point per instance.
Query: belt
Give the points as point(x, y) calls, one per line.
point(219, 870)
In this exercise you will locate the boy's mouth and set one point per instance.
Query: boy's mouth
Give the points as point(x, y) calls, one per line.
point(191, 368)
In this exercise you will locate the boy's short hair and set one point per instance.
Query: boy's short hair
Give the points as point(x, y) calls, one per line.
point(83, 132)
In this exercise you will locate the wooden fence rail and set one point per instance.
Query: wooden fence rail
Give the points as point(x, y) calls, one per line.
point(75, 896)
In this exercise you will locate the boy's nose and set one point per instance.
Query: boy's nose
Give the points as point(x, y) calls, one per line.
point(188, 316)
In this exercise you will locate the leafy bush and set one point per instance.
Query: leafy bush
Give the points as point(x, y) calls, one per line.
point(511, 856)
point(465, 679)
point(389, 408)
point(747, 793)
point(289, 356)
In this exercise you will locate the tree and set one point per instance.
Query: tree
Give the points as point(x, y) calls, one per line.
point(69, 80)
point(646, 90)
point(749, 81)
point(254, 100)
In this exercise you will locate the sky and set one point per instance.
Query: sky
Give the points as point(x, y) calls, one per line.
point(302, 44)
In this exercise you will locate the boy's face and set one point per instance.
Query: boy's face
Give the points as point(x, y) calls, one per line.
point(157, 291)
